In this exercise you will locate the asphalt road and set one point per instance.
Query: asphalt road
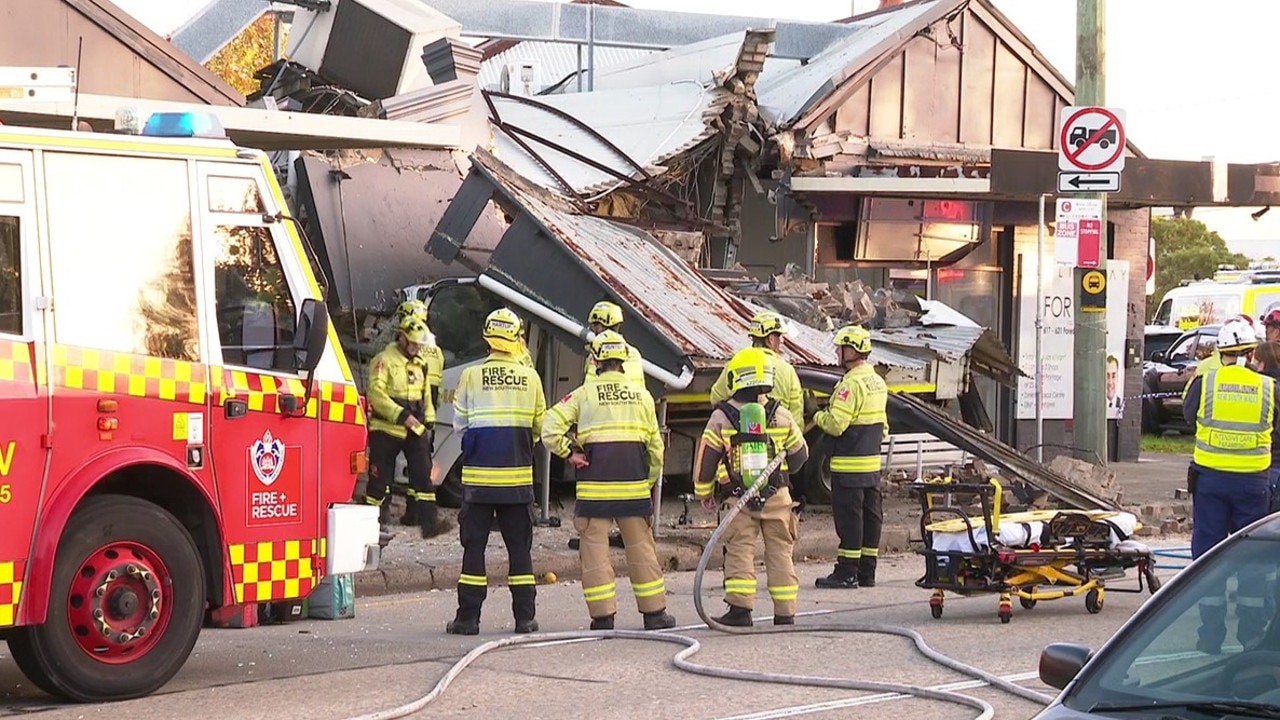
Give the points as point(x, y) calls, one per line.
point(395, 650)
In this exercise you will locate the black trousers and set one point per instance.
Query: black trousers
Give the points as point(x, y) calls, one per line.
point(858, 518)
point(383, 451)
point(515, 522)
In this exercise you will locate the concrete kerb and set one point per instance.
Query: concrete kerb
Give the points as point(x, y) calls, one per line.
point(678, 551)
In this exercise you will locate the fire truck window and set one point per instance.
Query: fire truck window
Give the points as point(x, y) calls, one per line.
point(256, 316)
point(10, 276)
point(11, 183)
point(121, 254)
point(235, 195)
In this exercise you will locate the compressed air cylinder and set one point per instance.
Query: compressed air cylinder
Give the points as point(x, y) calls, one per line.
point(753, 455)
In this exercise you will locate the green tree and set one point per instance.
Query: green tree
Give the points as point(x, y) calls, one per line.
point(1186, 250)
point(246, 54)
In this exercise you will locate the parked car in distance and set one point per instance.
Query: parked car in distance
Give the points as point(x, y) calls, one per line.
point(1158, 338)
point(1152, 667)
point(1167, 372)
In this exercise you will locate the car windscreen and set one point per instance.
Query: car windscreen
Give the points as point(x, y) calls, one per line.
point(1214, 639)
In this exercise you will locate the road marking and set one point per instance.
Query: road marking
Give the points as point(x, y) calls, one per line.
point(796, 710)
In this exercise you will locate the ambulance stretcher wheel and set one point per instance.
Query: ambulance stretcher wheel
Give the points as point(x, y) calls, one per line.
point(1027, 603)
point(1093, 602)
point(936, 611)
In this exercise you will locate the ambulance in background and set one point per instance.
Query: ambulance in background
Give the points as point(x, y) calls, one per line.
point(180, 433)
point(1211, 302)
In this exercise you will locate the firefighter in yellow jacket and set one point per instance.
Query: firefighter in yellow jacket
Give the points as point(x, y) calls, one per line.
point(618, 456)
point(857, 420)
point(498, 411)
point(605, 315)
point(770, 515)
point(403, 413)
point(766, 331)
point(433, 360)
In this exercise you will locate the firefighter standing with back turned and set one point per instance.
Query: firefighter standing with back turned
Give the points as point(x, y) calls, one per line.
point(498, 410)
point(403, 414)
point(605, 315)
point(766, 331)
point(618, 461)
point(857, 419)
point(719, 461)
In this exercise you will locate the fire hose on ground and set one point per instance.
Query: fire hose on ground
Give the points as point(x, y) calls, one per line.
point(682, 661)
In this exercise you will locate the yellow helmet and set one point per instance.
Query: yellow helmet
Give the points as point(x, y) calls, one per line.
point(410, 310)
point(609, 345)
point(854, 336)
point(415, 331)
point(502, 331)
point(767, 323)
point(749, 368)
point(606, 313)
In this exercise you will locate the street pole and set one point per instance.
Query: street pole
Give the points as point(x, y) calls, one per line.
point(1089, 407)
point(1040, 333)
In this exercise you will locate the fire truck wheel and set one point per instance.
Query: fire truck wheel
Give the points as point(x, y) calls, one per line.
point(125, 605)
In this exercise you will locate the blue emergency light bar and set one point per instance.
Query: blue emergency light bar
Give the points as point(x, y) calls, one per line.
point(184, 124)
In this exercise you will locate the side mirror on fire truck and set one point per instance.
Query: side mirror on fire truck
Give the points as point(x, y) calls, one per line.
point(308, 347)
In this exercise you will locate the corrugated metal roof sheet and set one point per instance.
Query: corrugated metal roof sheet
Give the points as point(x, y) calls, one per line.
point(786, 92)
point(706, 322)
point(651, 125)
point(553, 61)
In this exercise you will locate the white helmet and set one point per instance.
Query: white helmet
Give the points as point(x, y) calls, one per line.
point(1237, 335)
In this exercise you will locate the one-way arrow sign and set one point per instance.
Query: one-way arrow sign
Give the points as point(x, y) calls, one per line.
point(1108, 182)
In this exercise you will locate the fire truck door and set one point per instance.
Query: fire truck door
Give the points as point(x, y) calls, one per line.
point(24, 416)
point(264, 449)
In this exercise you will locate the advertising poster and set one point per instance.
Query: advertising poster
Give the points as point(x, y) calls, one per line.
point(1058, 351)
point(1117, 325)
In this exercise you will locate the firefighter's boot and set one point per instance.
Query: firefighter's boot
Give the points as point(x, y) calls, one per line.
point(658, 620)
point(736, 617)
point(463, 626)
point(836, 580)
point(429, 520)
point(602, 623)
point(867, 571)
point(384, 523)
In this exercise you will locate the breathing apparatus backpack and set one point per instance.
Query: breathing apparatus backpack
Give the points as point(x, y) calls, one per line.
point(750, 450)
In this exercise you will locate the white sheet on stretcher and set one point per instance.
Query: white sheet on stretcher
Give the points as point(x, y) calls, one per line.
point(1016, 534)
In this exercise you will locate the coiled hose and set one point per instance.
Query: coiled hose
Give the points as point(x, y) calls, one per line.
point(692, 646)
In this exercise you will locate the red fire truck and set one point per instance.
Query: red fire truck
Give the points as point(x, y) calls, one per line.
point(179, 430)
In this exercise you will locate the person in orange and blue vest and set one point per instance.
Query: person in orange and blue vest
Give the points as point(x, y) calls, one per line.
point(498, 410)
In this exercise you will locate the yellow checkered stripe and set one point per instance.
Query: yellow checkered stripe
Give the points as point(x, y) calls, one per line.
point(114, 373)
point(274, 570)
point(336, 402)
point(10, 591)
point(15, 361)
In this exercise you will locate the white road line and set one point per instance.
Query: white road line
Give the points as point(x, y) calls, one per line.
point(797, 710)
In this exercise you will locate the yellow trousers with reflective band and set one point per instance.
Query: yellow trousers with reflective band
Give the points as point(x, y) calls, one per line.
point(598, 586)
point(780, 529)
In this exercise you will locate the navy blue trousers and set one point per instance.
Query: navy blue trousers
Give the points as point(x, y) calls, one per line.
point(1224, 503)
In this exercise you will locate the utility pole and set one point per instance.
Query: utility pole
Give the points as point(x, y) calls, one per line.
point(1090, 401)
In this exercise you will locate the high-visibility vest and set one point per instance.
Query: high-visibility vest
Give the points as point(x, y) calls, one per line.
point(863, 395)
point(499, 407)
point(1234, 420)
point(399, 386)
point(618, 432)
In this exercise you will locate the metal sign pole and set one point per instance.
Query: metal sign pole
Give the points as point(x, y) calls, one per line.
point(657, 488)
point(1040, 334)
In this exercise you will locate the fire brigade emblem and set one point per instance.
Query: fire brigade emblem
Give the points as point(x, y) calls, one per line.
point(266, 456)
point(754, 428)
point(843, 394)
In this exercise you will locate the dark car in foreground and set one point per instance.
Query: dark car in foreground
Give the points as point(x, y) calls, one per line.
point(1153, 666)
point(1165, 374)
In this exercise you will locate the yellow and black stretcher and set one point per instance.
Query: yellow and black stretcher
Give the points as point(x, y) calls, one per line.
point(1035, 555)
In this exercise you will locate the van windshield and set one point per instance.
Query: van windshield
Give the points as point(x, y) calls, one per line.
point(1192, 310)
